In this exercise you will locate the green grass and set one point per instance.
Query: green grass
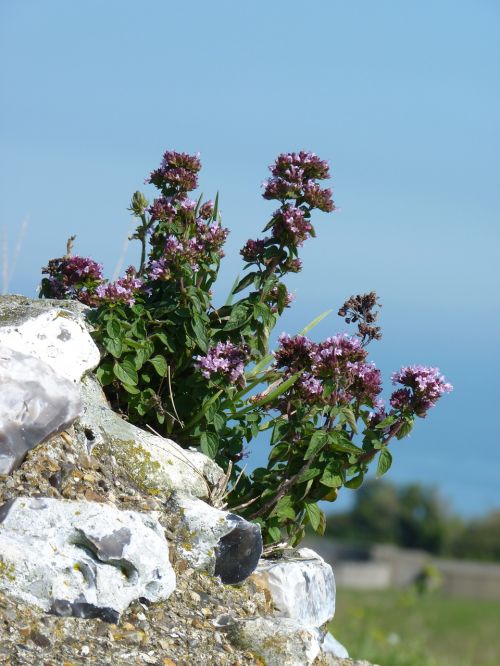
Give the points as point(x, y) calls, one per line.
point(402, 628)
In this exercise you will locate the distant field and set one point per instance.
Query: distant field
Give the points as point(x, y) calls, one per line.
point(400, 628)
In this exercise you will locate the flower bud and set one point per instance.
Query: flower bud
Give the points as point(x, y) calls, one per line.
point(139, 203)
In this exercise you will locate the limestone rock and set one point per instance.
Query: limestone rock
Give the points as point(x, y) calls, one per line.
point(278, 641)
point(332, 647)
point(302, 588)
point(82, 558)
point(153, 462)
point(53, 331)
point(219, 542)
point(35, 403)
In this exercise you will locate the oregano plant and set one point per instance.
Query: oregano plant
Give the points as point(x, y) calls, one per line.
point(202, 374)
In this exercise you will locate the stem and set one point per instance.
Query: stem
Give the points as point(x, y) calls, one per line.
point(143, 243)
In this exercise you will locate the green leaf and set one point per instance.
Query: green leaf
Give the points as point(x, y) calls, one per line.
point(348, 415)
point(105, 374)
point(284, 508)
point(160, 365)
point(331, 478)
point(113, 328)
point(209, 444)
point(218, 421)
point(237, 318)
point(339, 441)
point(114, 346)
point(216, 207)
point(126, 372)
point(406, 428)
point(388, 421)
point(355, 482)
point(316, 443)
point(133, 390)
point(244, 282)
point(199, 332)
point(201, 413)
point(309, 474)
point(315, 322)
point(313, 513)
point(281, 388)
point(274, 534)
point(384, 462)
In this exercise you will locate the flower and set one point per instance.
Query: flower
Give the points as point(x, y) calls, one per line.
point(295, 353)
point(72, 277)
point(226, 360)
point(177, 172)
point(291, 226)
point(424, 386)
point(123, 290)
point(253, 250)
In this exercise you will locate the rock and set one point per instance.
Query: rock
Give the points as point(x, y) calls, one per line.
point(302, 588)
point(331, 646)
point(153, 462)
point(278, 641)
point(53, 331)
point(219, 542)
point(82, 558)
point(35, 403)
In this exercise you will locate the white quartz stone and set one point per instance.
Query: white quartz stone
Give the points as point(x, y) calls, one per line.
point(82, 558)
point(58, 337)
point(35, 403)
point(301, 588)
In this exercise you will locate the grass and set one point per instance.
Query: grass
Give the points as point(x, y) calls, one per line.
point(403, 628)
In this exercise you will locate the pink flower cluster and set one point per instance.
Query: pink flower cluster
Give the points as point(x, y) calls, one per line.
point(423, 388)
point(177, 173)
point(72, 277)
point(340, 359)
point(294, 176)
point(291, 226)
point(226, 360)
point(123, 290)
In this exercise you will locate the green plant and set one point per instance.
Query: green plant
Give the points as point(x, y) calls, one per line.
point(174, 361)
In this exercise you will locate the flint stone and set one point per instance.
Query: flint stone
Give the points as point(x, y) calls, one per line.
point(154, 463)
point(35, 403)
point(83, 559)
point(52, 331)
point(302, 588)
point(278, 641)
point(219, 542)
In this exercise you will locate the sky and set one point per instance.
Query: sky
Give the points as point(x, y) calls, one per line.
point(403, 100)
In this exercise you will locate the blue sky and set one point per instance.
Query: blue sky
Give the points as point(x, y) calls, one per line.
point(401, 97)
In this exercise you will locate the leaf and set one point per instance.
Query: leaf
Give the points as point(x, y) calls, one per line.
point(340, 442)
point(237, 318)
point(245, 282)
point(355, 482)
point(160, 365)
point(229, 299)
point(281, 388)
point(388, 421)
point(384, 462)
point(114, 346)
point(315, 321)
point(218, 421)
point(313, 513)
point(104, 374)
point(209, 444)
point(331, 478)
point(133, 390)
point(316, 443)
point(199, 332)
point(126, 372)
point(309, 474)
point(348, 415)
point(284, 508)
point(274, 534)
point(216, 207)
point(201, 413)
point(113, 328)
point(405, 429)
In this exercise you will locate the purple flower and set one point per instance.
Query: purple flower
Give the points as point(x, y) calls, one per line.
point(253, 250)
point(302, 165)
point(425, 386)
point(123, 290)
point(291, 227)
point(72, 277)
point(162, 209)
point(226, 360)
point(319, 198)
point(336, 351)
point(207, 210)
point(177, 172)
point(295, 353)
